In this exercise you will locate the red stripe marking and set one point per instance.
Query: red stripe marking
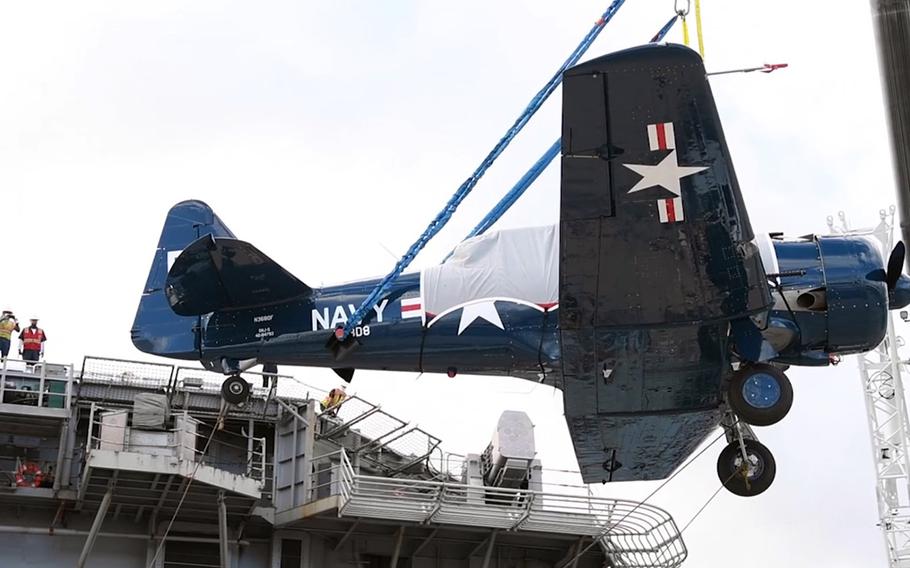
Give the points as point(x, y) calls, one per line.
point(661, 136)
point(410, 307)
point(671, 211)
point(547, 305)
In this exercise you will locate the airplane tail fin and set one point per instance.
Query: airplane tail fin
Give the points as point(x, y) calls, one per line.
point(157, 329)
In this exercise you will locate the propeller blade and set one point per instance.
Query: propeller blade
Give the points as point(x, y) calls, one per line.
point(895, 264)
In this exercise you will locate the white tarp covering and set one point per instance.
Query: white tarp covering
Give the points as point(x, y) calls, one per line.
point(520, 264)
point(149, 411)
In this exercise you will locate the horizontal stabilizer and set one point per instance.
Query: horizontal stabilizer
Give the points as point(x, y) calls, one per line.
point(215, 273)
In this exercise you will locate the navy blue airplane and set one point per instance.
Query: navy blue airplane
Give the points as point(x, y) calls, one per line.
point(652, 305)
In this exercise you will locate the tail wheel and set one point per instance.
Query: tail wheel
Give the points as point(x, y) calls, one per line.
point(235, 390)
point(747, 476)
point(760, 394)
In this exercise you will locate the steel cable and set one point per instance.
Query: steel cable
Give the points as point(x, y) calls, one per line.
point(186, 490)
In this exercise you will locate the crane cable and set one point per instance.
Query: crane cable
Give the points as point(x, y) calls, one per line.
point(606, 531)
point(218, 421)
point(539, 166)
point(443, 216)
point(765, 68)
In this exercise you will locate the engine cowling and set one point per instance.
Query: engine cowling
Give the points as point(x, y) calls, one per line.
point(832, 297)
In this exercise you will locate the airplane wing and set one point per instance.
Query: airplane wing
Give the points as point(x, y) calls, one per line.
point(217, 273)
point(656, 262)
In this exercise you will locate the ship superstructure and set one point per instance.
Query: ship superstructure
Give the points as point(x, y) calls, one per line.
point(121, 463)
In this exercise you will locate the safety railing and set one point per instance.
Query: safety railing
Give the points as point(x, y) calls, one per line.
point(381, 433)
point(122, 371)
point(634, 534)
point(189, 439)
point(167, 378)
point(332, 475)
point(452, 467)
point(389, 444)
point(41, 384)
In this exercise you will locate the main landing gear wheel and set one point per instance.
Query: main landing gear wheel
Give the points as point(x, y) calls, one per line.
point(750, 476)
point(235, 390)
point(760, 394)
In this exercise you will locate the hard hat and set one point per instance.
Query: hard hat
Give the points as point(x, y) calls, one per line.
point(33, 319)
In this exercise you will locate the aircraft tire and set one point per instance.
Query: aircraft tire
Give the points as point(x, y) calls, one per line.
point(760, 394)
point(235, 390)
point(760, 473)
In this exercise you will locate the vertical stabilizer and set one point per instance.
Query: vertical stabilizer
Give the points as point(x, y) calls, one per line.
point(157, 329)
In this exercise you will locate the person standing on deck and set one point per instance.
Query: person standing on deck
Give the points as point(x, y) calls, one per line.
point(31, 342)
point(8, 325)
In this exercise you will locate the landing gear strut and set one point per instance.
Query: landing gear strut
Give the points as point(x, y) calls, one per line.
point(745, 467)
point(235, 390)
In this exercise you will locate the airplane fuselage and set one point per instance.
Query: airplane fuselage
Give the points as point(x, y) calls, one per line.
point(521, 340)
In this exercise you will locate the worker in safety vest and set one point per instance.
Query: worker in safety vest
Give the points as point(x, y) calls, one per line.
point(8, 325)
point(31, 342)
point(333, 400)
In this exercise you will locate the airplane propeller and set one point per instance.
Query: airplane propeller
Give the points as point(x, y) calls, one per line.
point(895, 265)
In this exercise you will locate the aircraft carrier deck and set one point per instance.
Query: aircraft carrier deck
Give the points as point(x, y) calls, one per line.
point(127, 464)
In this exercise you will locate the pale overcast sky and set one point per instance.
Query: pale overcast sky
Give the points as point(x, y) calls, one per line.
point(325, 133)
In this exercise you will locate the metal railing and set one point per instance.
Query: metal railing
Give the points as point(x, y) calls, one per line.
point(389, 444)
point(109, 430)
point(380, 433)
point(634, 534)
point(168, 378)
point(452, 467)
point(30, 383)
point(332, 474)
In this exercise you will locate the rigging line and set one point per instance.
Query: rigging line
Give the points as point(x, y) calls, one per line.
point(517, 191)
point(186, 490)
point(664, 30)
point(708, 502)
point(438, 222)
point(699, 512)
point(607, 530)
point(538, 168)
point(766, 68)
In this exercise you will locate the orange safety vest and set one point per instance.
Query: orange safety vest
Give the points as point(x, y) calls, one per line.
point(32, 338)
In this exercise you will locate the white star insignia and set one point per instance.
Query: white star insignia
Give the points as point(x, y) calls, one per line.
point(485, 310)
point(666, 174)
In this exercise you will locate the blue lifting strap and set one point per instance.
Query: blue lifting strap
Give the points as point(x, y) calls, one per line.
point(443, 217)
point(512, 196)
point(539, 166)
point(664, 30)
